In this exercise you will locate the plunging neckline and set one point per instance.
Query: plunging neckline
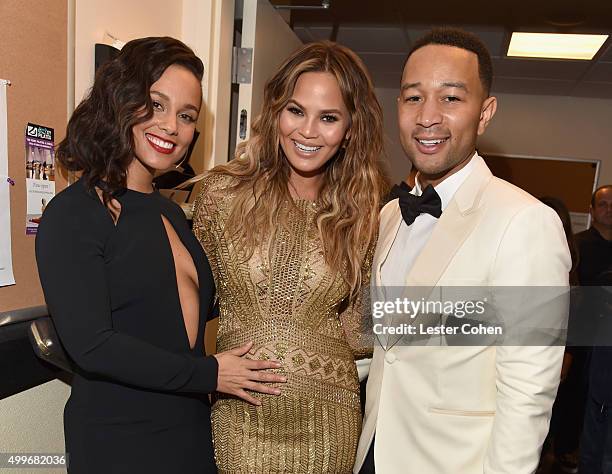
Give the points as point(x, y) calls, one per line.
point(120, 196)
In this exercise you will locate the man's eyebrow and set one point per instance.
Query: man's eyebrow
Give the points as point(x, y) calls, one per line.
point(458, 85)
point(410, 85)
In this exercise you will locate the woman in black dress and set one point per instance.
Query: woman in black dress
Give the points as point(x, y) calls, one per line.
point(127, 284)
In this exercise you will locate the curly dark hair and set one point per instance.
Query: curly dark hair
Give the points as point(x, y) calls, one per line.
point(464, 40)
point(99, 140)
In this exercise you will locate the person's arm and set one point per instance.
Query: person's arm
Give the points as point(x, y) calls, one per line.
point(533, 253)
point(356, 319)
point(208, 223)
point(70, 256)
point(237, 373)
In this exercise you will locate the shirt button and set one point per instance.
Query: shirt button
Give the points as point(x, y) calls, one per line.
point(390, 357)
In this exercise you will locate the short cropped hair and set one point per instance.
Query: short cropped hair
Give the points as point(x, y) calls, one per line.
point(600, 188)
point(464, 40)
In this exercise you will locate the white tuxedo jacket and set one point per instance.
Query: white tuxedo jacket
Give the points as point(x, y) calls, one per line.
point(469, 410)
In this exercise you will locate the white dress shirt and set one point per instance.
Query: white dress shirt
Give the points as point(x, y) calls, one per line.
point(411, 239)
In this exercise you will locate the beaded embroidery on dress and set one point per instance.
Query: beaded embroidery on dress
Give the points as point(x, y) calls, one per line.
point(285, 299)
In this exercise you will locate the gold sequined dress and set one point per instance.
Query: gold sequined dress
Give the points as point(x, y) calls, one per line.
point(287, 301)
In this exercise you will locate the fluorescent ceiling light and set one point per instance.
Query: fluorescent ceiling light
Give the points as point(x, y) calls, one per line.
point(554, 45)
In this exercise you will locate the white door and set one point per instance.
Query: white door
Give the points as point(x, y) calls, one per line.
point(272, 41)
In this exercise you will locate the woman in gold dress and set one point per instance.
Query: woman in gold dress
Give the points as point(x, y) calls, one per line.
point(289, 227)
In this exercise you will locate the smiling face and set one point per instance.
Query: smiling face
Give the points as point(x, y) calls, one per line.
point(163, 140)
point(313, 124)
point(442, 109)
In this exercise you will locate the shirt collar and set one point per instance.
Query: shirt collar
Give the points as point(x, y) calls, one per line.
point(596, 234)
point(447, 188)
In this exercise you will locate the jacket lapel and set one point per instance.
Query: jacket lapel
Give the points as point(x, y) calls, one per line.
point(450, 232)
point(390, 222)
point(456, 223)
point(388, 232)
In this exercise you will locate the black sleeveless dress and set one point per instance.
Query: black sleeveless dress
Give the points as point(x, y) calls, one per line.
point(139, 400)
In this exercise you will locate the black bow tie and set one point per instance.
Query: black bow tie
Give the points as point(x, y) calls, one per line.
point(411, 206)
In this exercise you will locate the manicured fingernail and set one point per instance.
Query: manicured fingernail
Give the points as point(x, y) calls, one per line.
point(277, 391)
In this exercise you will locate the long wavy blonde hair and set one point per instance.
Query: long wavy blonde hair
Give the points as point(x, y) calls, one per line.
point(353, 182)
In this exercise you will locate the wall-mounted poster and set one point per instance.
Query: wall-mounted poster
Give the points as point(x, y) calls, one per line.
point(40, 172)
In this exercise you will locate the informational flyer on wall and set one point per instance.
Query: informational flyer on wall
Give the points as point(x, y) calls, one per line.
point(6, 260)
point(40, 172)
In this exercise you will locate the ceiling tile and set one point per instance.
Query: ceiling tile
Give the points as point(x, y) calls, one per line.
point(385, 80)
point(309, 33)
point(519, 85)
point(607, 54)
point(601, 72)
point(586, 15)
point(383, 62)
point(303, 33)
point(414, 32)
point(373, 39)
point(381, 31)
point(539, 68)
point(602, 90)
point(492, 37)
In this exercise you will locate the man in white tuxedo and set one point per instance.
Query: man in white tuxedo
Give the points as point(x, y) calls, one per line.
point(470, 409)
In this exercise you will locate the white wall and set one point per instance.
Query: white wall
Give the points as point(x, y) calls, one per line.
point(208, 27)
point(398, 165)
point(547, 126)
point(204, 25)
point(124, 20)
point(554, 126)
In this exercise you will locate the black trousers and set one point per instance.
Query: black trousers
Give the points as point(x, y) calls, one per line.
point(568, 415)
point(368, 463)
point(596, 445)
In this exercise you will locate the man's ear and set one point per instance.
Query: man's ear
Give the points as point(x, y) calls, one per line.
point(489, 106)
